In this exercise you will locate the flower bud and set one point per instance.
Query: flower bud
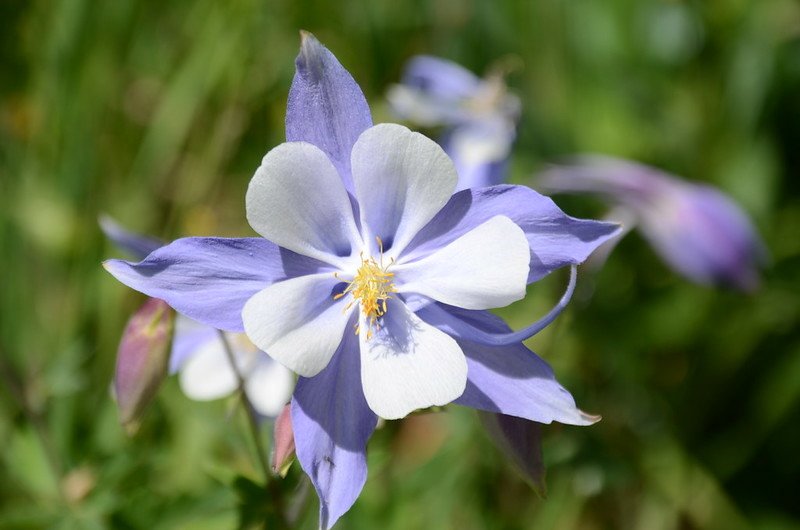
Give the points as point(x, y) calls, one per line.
point(142, 360)
point(283, 444)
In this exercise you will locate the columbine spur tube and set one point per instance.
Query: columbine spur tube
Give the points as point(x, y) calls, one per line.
point(362, 231)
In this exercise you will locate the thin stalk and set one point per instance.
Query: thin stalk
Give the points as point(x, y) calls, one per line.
point(274, 490)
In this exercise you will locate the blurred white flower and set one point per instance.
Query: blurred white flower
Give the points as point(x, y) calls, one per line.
point(205, 372)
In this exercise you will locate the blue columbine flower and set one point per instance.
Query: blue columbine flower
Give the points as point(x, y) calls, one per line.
point(372, 279)
point(696, 229)
point(479, 116)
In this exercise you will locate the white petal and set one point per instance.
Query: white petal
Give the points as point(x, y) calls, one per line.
point(483, 142)
point(402, 179)
point(297, 200)
point(297, 322)
point(207, 373)
point(414, 105)
point(269, 386)
point(486, 267)
point(409, 364)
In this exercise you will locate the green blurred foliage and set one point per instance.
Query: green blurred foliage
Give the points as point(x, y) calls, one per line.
point(158, 112)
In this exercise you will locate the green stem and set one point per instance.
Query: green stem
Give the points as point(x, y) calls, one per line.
point(276, 494)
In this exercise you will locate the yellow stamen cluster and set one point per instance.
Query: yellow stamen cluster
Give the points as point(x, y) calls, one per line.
point(372, 287)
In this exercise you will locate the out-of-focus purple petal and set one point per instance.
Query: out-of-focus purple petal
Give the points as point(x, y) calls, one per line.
point(696, 229)
point(142, 359)
point(479, 115)
point(512, 379)
point(326, 107)
point(283, 447)
point(210, 279)
point(704, 235)
point(434, 91)
point(440, 77)
point(332, 423)
point(137, 245)
point(520, 440)
point(555, 238)
point(626, 182)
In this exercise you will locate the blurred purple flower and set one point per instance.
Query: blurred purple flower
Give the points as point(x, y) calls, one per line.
point(479, 115)
point(362, 232)
point(696, 229)
point(198, 354)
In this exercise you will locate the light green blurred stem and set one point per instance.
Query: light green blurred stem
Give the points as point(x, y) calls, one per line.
point(275, 492)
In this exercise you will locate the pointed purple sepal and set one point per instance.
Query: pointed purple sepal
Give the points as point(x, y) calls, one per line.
point(555, 239)
point(209, 279)
point(332, 423)
point(512, 379)
point(326, 106)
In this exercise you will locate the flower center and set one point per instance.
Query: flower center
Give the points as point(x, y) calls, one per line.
point(371, 287)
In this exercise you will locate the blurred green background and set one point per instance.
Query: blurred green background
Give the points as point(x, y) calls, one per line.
point(158, 112)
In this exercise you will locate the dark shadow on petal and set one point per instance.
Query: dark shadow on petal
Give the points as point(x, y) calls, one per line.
point(479, 400)
point(295, 264)
point(448, 218)
point(337, 289)
point(396, 334)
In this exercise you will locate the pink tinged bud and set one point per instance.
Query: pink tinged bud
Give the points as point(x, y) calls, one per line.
point(521, 441)
point(142, 360)
point(283, 445)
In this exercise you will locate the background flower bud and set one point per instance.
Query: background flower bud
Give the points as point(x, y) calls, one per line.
point(142, 360)
point(283, 444)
